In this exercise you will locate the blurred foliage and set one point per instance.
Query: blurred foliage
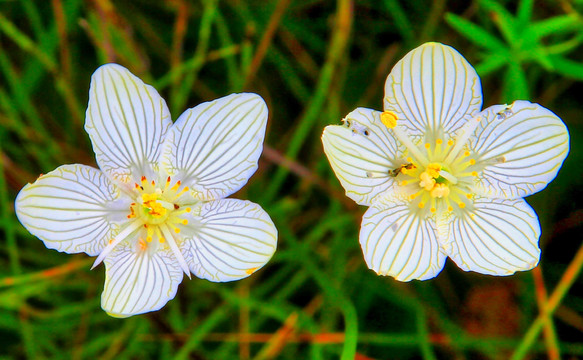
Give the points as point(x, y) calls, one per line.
point(313, 61)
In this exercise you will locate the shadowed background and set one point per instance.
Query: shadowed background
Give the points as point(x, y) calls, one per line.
point(313, 62)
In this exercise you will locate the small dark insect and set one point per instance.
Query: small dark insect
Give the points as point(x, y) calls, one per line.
point(507, 112)
point(398, 170)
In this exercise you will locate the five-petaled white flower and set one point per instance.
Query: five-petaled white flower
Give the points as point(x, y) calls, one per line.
point(443, 178)
point(156, 209)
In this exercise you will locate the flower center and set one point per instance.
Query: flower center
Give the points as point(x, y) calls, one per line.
point(153, 206)
point(157, 208)
point(438, 175)
point(155, 214)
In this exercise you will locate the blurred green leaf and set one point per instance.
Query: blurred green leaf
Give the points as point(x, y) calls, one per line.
point(475, 33)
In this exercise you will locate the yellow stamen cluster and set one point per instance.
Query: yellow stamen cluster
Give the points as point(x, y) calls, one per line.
point(158, 209)
point(429, 176)
point(153, 206)
point(439, 171)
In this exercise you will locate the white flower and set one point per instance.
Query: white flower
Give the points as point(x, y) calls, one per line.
point(441, 177)
point(156, 209)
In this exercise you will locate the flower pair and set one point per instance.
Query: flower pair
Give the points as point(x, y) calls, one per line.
point(442, 178)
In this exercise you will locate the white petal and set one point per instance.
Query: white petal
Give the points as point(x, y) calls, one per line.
point(230, 240)
point(523, 148)
point(139, 281)
point(500, 238)
point(397, 242)
point(433, 87)
point(127, 121)
point(73, 209)
point(361, 153)
point(214, 147)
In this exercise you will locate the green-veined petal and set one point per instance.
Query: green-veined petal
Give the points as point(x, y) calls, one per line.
point(74, 208)
point(127, 121)
point(397, 242)
point(229, 240)
point(433, 87)
point(498, 237)
point(214, 147)
point(138, 280)
point(521, 148)
point(362, 153)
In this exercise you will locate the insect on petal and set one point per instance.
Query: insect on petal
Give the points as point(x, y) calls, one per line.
point(522, 147)
point(362, 153)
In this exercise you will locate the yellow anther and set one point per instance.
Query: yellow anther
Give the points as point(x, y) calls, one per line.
point(410, 159)
point(421, 205)
point(461, 205)
point(427, 145)
point(433, 170)
point(472, 161)
point(389, 119)
point(176, 186)
point(432, 210)
point(474, 173)
point(439, 191)
point(412, 196)
point(177, 230)
point(427, 181)
point(449, 142)
point(184, 222)
point(188, 209)
point(438, 141)
point(148, 238)
point(161, 240)
point(469, 196)
point(449, 208)
point(466, 153)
